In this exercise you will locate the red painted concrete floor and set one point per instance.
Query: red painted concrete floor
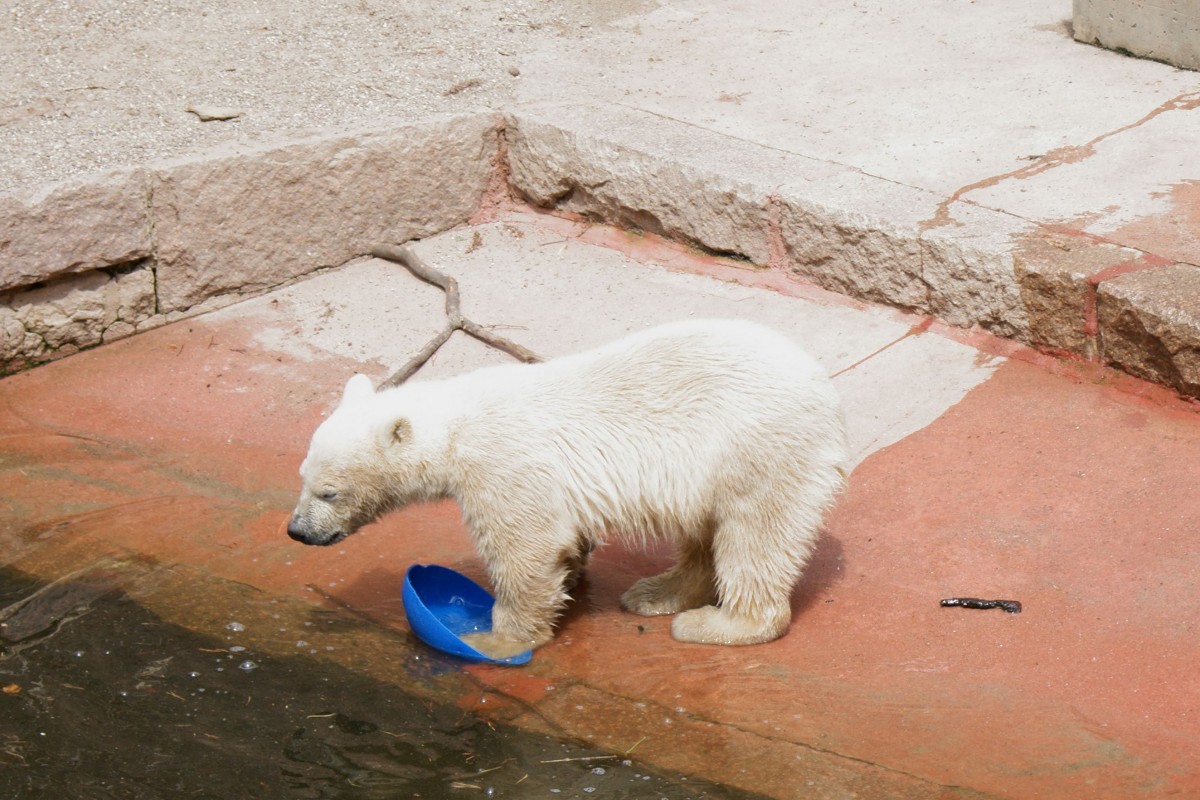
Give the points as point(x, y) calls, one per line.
point(181, 446)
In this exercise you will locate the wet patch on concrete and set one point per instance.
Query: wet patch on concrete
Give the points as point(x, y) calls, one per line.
point(104, 698)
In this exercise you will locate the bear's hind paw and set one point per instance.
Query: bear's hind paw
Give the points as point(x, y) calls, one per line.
point(653, 597)
point(712, 625)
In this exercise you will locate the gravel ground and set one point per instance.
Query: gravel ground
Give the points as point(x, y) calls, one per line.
point(90, 85)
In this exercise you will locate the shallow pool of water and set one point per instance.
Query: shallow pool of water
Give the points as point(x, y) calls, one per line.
point(104, 699)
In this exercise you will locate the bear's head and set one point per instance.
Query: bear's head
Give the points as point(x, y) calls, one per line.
point(364, 460)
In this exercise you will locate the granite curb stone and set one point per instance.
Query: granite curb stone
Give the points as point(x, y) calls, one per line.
point(837, 235)
point(633, 169)
point(73, 227)
point(64, 317)
point(1057, 276)
point(845, 230)
point(1150, 325)
point(287, 211)
point(87, 261)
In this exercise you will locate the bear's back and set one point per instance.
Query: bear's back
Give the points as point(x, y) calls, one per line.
point(654, 418)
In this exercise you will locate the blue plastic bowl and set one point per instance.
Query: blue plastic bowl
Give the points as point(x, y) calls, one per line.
point(443, 605)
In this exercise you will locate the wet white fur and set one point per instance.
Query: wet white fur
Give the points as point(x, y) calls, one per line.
point(721, 436)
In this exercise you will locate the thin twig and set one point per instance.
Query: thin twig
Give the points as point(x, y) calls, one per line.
point(580, 758)
point(403, 255)
point(418, 361)
point(635, 744)
point(499, 342)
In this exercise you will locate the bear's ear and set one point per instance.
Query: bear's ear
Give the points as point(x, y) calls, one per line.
point(401, 431)
point(357, 388)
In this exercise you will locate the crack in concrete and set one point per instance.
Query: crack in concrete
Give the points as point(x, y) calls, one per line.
point(776, 241)
point(152, 238)
point(1091, 322)
point(915, 330)
point(1060, 156)
point(499, 190)
point(774, 148)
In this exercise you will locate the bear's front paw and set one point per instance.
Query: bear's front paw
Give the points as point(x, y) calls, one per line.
point(495, 645)
point(664, 594)
point(712, 625)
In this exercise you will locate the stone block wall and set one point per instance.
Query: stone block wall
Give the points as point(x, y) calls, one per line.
point(1057, 290)
point(85, 262)
point(88, 262)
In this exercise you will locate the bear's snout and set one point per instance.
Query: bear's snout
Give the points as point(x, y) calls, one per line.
point(297, 530)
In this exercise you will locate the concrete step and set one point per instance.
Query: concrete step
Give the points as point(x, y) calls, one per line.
point(95, 259)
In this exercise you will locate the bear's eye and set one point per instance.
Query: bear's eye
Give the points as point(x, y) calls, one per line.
point(327, 495)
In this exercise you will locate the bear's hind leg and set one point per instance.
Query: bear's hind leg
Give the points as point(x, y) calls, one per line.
point(757, 558)
point(689, 584)
point(575, 561)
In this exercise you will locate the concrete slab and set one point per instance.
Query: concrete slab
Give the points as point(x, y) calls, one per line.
point(535, 284)
point(894, 91)
point(530, 280)
point(371, 312)
point(1131, 185)
point(906, 386)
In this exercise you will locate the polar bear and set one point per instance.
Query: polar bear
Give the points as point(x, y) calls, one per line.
point(721, 436)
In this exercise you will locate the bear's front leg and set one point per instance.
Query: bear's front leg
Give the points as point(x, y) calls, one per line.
point(520, 622)
point(529, 573)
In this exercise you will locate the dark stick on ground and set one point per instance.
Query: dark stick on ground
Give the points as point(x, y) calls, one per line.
point(455, 321)
point(1011, 606)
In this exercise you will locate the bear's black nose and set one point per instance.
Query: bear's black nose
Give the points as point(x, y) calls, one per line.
point(297, 532)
